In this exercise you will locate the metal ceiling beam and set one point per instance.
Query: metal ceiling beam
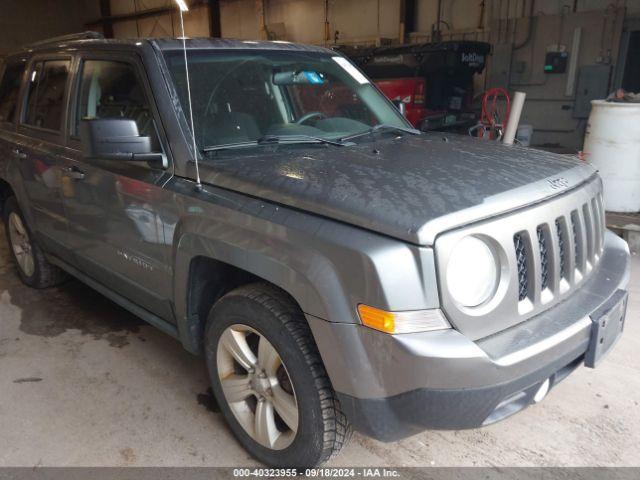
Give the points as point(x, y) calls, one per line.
point(105, 12)
point(215, 26)
point(152, 12)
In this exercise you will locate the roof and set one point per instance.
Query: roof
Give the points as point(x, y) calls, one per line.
point(88, 41)
point(230, 44)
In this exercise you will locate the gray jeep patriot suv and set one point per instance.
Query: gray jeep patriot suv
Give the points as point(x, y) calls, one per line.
point(335, 268)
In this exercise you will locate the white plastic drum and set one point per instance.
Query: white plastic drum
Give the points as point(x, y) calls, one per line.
point(524, 134)
point(612, 145)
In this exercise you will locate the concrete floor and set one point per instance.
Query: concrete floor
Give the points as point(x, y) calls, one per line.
point(84, 383)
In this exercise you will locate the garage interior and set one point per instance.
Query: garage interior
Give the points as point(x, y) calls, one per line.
point(83, 382)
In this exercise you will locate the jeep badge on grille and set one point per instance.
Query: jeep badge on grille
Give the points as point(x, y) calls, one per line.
point(556, 183)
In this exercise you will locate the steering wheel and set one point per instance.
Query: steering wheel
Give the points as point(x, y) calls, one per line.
point(308, 116)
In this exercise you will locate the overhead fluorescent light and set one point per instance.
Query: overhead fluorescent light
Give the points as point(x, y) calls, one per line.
point(182, 5)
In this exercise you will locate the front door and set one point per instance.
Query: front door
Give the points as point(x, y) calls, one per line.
point(120, 221)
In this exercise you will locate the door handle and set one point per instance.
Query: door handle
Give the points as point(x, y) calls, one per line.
point(19, 154)
point(74, 173)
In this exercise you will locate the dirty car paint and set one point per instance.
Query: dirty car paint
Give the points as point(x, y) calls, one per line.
point(399, 186)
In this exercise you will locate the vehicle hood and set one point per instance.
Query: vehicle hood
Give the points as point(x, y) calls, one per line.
point(407, 187)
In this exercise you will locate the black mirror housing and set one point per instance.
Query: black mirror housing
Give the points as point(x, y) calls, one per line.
point(113, 139)
point(401, 106)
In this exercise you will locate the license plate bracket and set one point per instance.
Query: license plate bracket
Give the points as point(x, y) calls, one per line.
point(607, 325)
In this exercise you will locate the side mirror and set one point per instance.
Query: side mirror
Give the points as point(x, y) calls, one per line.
point(401, 106)
point(116, 139)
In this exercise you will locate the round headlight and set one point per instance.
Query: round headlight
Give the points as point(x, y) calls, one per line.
point(472, 272)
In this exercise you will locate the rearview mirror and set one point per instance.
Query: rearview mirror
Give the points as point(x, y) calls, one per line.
point(116, 139)
point(302, 77)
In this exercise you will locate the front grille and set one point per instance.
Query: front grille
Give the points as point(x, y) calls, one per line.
point(521, 258)
point(561, 247)
point(546, 251)
point(567, 248)
point(544, 258)
point(576, 244)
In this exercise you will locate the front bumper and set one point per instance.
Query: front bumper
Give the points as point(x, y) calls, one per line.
point(392, 386)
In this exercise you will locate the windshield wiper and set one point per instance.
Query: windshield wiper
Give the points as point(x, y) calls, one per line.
point(293, 139)
point(277, 140)
point(379, 127)
point(229, 146)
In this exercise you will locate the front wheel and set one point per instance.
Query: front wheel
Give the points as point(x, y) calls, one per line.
point(269, 381)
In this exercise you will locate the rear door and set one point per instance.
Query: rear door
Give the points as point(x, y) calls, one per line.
point(11, 74)
point(120, 218)
point(39, 145)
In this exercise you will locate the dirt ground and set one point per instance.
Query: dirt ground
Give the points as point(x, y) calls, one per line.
point(84, 383)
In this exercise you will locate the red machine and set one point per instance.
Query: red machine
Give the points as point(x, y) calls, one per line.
point(433, 80)
point(409, 91)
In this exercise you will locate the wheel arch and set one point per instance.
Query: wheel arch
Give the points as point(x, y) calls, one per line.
point(5, 192)
point(12, 185)
point(206, 269)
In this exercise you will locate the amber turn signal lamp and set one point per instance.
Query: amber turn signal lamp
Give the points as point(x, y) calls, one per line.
point(376, 318)
point(402, 322)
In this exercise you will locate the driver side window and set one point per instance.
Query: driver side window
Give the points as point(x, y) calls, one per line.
point(111, 89)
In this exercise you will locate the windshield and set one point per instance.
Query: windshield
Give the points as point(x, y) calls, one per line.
point(244, 96)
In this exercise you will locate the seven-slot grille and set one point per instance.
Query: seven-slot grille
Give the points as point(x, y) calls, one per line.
point(564, 252)
point(544, 251)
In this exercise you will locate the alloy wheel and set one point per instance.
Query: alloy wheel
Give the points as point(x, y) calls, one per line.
point(257, 386)
point(21, 245)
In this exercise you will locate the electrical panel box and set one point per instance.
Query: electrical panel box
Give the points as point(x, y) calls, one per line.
point(555, 62)
point(593, 84)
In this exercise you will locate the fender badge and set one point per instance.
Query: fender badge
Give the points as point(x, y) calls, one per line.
point(137, 261)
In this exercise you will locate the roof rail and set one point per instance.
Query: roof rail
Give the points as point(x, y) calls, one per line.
point(88, 35)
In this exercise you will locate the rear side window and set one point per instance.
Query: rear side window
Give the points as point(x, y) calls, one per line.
point(9, 89)
point(45, 100)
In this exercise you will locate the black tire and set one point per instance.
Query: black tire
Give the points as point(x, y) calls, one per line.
point(44, 274)
point(322, 427)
